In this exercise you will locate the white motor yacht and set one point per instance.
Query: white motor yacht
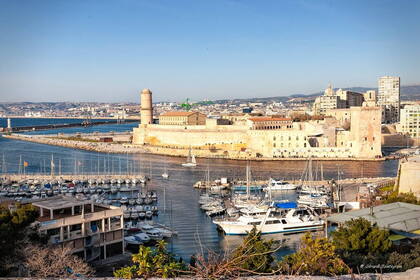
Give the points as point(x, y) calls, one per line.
point(296, 220)
point(279, 185)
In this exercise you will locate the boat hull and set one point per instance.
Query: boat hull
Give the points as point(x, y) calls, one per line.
point(231, 229)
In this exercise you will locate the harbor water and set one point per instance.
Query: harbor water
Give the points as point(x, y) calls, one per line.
point(180, 209)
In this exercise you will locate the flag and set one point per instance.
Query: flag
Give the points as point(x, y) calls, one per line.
point(79, 163)
point(25, 163)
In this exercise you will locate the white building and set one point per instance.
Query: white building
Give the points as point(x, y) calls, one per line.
point(410, 120)
point(389, 98)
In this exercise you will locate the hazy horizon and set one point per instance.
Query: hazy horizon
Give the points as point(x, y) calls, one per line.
point(107, 51)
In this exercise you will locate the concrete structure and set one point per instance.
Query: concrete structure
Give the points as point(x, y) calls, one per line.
point(408, 179)
point(92, 231)
point(389, 98)
point(336, 100)
point(265, 137)
point(182, 118)
point(410, 121)
point(146, 111)
point(397, 216)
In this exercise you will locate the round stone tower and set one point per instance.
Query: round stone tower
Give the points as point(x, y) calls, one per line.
point(146, 111)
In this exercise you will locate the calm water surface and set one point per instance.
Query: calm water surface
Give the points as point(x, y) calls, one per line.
point(196, 231)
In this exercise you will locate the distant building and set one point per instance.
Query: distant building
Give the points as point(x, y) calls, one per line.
point(389, 98)
point(182, 118)
point(336, 100)
point(91, 231)
point(410, 120)
point(265, 123)
point(247, 110)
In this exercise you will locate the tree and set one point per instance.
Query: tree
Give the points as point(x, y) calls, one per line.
point(360, 236)
point(402, 262)
point(253, 256)
point(402, 197)
point(152, 262)
point(13, 225)
point(43, 262)
point(359, 242)
point(316, 256)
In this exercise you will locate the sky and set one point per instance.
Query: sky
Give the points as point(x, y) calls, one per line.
point(107, 51)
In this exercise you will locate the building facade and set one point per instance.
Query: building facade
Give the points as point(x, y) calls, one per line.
point(182, 118)
point(389, 98)
point(410, 120)
point(265, 123)
point(336, 100)
point(91, 231)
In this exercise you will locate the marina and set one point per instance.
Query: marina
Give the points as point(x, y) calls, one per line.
point(178, 201)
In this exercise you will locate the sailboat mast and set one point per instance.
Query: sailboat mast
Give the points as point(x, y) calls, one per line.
point(247, 180)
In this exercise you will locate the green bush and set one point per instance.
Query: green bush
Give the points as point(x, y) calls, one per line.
point(358, 242)
point(316, 256)
point(157, 262)
point(254, 254)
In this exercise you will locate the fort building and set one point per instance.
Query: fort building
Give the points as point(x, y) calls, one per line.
point(265, 137)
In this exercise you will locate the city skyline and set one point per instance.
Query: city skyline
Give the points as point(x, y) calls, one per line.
point(108, 51)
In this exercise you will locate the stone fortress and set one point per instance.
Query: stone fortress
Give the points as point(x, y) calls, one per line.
point(351, 133)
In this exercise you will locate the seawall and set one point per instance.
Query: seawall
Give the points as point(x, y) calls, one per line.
point(159, 150)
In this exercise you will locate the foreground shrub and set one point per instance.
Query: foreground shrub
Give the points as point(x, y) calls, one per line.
point(359, 243)
point(43, 262)
point(253, 257)
point(157, 262)
point(316, 256)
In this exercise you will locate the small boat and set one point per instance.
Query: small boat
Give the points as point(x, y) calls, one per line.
point(191, 162)
point(134, 215)
point(124, 200)
point(149, 214)
point(279, 185)
point(137, 239)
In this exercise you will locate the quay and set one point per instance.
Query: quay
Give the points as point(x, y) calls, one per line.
point(127, 147)
point(68, 177)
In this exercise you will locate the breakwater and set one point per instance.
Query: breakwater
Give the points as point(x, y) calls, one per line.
point(63, 125)
point(82, 145)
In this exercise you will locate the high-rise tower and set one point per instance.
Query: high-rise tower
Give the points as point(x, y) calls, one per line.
point(146, 111)
point(389, 98)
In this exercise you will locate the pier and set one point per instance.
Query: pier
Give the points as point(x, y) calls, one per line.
point(63, 125)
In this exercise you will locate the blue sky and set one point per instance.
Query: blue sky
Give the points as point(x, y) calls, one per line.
point(109, 50)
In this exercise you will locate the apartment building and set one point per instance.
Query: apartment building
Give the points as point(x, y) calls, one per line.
point(92, 231)
point(389, 98)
